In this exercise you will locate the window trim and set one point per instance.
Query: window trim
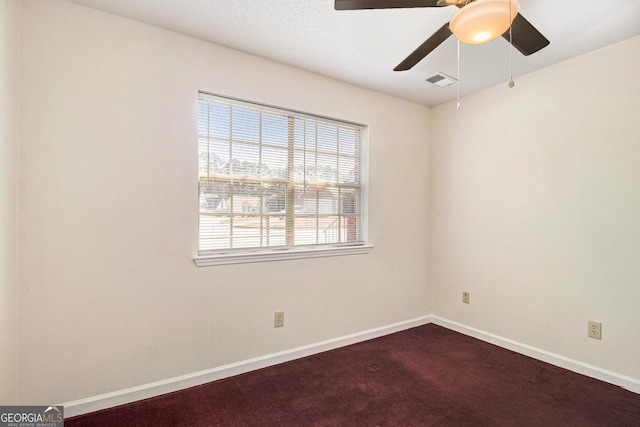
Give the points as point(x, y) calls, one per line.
point(284, 253)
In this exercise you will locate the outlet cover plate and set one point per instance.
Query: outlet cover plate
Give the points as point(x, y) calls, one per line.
point(278, 319)
point(465, 297)
point(595, 330)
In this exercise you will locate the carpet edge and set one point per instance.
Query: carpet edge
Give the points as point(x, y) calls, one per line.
point(626, 382)
point(145, 391)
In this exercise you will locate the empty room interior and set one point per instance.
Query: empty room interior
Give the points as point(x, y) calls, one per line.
point(507, 214)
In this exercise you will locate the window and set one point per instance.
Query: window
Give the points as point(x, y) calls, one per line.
point(277, 184)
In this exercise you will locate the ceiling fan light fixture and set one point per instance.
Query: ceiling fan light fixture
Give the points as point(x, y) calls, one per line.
point(483, 20)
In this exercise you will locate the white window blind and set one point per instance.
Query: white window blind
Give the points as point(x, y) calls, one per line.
point(276, 179)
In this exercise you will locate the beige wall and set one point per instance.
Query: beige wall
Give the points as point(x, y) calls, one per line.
point(108, 211)
point(535, 209)
point(9, 35)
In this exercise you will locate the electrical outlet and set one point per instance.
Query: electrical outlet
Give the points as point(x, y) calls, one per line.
point(595, 330)
point(465, 297)
point(278, 319)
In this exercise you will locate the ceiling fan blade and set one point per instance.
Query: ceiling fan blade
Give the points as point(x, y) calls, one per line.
point(382, 4)
point(425, 48)
point(526, 38)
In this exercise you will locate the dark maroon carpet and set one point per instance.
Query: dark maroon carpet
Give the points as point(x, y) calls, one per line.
point(425, 376)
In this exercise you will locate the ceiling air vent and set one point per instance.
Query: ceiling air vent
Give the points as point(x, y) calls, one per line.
point(442, 80)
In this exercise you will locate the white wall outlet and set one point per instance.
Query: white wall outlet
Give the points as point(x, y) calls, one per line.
point(465, 297)
point(595, 330)
point(278, 319)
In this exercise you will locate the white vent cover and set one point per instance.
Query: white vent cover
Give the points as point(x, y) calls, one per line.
point(442, 79)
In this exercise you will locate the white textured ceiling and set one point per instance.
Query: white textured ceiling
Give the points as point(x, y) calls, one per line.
point(362, 47)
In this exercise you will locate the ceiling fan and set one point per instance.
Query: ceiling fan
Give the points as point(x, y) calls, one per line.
point(524, 36)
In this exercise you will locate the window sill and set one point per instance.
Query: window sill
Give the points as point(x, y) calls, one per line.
point(279, 255)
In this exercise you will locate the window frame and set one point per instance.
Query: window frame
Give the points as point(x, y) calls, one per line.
point(279, 253)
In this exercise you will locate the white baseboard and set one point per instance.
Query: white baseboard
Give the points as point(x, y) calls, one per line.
point(623, 381)
point(121, 397)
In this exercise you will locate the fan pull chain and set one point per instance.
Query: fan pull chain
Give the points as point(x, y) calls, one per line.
point(511, 82)
point(458, 82)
